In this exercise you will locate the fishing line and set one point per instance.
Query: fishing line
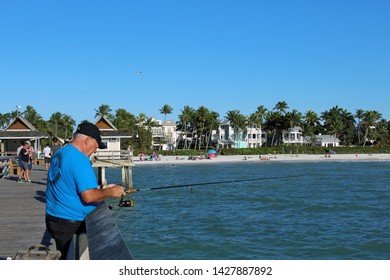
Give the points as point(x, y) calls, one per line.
point(130, 202)
point(216, 182)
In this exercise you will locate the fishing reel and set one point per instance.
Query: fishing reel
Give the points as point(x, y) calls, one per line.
point(126, 202)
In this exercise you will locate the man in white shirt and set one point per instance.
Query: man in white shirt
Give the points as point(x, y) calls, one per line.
point(47, 156)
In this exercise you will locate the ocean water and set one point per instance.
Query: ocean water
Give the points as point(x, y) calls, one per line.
point(298, 211)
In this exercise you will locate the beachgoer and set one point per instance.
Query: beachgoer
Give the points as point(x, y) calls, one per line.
point(72, 190)
point(24, 159)
point(31, 154)
point(130, 150)
point(19, 155)
point(47, 156)
point(56, 146)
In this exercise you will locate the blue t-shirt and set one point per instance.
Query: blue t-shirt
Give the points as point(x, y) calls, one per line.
point(69, 175)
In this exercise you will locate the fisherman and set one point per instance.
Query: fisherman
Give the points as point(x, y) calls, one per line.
point(72, 190)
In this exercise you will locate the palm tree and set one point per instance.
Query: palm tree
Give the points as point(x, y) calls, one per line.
point(359, 115)
point(123, 120)
point(253, 122)
point(294, 118)
point(369, 121)
point(335, 129)
point(141, 118)
point(274, 123)
point(31, 115)
point(68, 124)
point(14, 114)
point(237, 121)
point(201, 116)
point(149, 123)
point(185, 117)
point(165, 110)
point(104, 111)
point(261, 112)
point(5, 119)
point(311, 121)
point(280, 119)
point(281, 106)
point(333, 122)
point(348, 122)
point(211, 124)
point(382, 133)
point(56, 121)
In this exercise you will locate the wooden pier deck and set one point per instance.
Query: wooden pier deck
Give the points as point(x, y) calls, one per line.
point(22, 213)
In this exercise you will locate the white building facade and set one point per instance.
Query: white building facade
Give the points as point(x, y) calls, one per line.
point(164, 135)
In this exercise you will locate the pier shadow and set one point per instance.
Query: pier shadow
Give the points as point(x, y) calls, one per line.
point(38, 183)
point(40, 196)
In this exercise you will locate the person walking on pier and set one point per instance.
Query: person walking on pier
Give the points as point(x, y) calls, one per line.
point(55, 147)
point(19, 155)
point(31, 154)
point(24, 159)
point(47, 155)
point(72, 189)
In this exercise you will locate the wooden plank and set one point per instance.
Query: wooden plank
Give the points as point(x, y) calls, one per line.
point(22, 213)
point(22, 221)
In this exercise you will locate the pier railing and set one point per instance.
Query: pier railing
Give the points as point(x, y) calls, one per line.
point(114, 159)
point(6, 165)
point(114, 155)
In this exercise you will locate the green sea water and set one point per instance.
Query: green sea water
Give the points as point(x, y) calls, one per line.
point(332, 210)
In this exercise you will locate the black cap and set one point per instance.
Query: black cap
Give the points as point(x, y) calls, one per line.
point(91, 130)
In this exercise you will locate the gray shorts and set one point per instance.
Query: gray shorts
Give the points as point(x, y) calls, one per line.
point(24, 165)
point(47, 159)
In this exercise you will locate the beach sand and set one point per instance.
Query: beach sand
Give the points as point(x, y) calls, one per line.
point(266, 158)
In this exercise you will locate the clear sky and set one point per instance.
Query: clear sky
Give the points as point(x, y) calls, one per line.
point(72, 56)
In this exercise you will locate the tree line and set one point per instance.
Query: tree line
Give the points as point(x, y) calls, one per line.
point(353, 129)
point(360, 128)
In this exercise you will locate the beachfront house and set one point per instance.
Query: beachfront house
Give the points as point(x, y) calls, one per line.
point(227, 137)
point(293, 136)
point(164, 135)
point(18, 130)
point(328, 141)
point(251, 137)
point(255, 137)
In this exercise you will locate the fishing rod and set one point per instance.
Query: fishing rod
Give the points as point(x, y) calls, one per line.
point(216, 182)
point(130, 202)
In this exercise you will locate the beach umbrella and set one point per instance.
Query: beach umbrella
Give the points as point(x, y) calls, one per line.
point(211, 152)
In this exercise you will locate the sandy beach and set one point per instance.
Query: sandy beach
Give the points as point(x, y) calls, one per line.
point(265, 158)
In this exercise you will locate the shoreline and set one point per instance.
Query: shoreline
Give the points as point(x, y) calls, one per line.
point(266, 158)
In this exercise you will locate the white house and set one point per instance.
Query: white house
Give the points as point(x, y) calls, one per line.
point(164, 135)
point(293, 136)
point(250, 138)
point(326, 141)
point(255, 137)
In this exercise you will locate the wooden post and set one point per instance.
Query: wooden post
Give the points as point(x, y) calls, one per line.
point(102, 176)
point(127, 177)
point(123, 176)
point(130, 176)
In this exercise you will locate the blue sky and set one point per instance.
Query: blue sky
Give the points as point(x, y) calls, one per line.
point(72, 56)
